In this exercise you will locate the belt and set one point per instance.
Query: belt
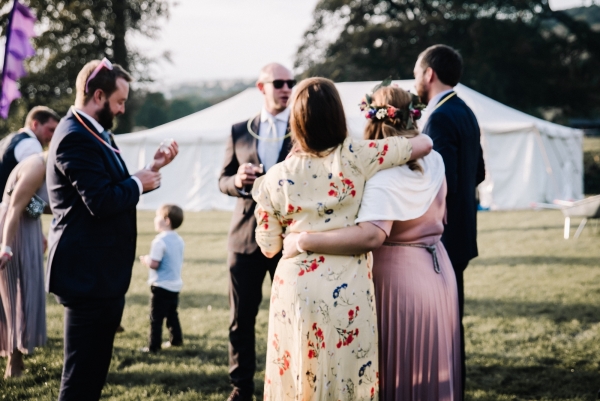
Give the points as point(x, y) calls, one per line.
point(430, 248)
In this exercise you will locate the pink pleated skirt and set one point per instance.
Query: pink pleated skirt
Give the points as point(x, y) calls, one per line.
point(418, 321)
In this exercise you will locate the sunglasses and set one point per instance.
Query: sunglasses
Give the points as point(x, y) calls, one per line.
point(278, 83)
point(103, 64)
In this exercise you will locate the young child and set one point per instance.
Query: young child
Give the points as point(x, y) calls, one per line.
point(164, 263)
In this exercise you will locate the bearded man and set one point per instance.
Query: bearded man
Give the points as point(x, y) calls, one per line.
point(456, 136)
point(93, 234)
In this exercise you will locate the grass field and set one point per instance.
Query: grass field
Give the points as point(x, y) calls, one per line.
point(532, 324)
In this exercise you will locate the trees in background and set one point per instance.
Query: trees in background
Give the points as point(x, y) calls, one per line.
point(156, 110)
point(519, 52)
point(75, 32)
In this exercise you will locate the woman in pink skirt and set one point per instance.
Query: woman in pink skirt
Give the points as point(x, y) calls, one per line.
point(401, 220)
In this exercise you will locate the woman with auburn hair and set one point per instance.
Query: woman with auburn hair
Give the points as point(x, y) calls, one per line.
point(403, 209)
point(322, 338)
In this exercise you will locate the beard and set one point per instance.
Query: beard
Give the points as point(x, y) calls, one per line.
point(106, 117)
point(423, 93)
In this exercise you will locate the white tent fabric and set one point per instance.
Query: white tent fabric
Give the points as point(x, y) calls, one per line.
point(527, 159)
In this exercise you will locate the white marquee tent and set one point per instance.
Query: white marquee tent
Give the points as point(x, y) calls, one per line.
point(527, 159)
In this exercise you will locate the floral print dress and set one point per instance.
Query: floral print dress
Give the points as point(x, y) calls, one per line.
point(322, 338)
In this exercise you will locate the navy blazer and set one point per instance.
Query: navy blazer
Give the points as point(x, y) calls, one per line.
point(456, 136)
point(242, 148)
point(93, 199)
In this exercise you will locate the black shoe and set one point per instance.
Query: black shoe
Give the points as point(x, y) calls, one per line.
point(237, 395)
point(147, 350)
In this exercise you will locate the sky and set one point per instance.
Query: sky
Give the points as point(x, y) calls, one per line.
point(230, 39)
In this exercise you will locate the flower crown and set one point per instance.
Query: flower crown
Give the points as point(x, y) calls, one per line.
point(408, 115)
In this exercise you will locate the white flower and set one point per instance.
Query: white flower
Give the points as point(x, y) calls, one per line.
point(381, 113)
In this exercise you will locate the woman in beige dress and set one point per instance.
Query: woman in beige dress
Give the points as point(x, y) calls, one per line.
point(21, 263)
point(403, 209)
point(322, 337)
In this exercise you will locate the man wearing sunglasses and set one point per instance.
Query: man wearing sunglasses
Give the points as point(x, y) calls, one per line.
point(93, 234)
point(255, 146)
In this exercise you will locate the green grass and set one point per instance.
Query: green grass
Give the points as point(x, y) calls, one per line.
point(532, 324)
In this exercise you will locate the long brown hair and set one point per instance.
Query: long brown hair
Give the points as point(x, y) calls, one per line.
point(379, 129)
point(317, 118)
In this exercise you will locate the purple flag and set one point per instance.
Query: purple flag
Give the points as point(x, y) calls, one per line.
point(18, 48)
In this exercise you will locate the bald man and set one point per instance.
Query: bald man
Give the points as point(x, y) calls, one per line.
point(255, 146)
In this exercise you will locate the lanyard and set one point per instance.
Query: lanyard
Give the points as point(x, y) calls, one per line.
point(445, 100)
point(93, 133)
point(259, 138)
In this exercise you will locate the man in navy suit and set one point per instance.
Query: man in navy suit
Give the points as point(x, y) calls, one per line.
point(456, 136)
point(93, 234)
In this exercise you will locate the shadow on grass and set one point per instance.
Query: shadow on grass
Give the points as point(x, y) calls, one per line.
point(543, 381)
point(196, 348)
point(557, 312)
point(174, 382)
point(535, 260)
point(158, 369)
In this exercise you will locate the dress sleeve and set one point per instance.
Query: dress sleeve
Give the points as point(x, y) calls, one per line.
point(384, 225)
point(381, 154)
point(268, 226)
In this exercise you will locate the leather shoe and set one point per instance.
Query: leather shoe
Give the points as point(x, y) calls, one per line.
point(236, 395)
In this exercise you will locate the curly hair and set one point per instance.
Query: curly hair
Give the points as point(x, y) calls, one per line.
point(386, 127)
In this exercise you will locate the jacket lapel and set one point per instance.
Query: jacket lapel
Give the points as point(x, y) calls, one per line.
point(286, 146)
point(253, 148)
point(111, 156)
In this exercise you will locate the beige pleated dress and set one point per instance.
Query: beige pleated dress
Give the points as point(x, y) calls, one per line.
point(23, 321)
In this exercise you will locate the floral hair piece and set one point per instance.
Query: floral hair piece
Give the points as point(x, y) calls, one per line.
point(409, 115)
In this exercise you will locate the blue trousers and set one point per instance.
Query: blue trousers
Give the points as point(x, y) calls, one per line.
point(90, 327)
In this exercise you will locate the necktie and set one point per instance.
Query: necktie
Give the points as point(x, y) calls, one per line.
point(270, 145)
point(107, 137)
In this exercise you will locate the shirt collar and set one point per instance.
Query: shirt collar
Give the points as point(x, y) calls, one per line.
point(436, 99)
point(95, 123)
point(29, 132)
point(283, 116)
point(166, 233)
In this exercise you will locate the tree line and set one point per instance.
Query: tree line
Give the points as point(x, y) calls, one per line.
point(518, 52)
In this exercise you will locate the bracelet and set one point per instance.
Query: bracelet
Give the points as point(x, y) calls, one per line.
point(300, 250)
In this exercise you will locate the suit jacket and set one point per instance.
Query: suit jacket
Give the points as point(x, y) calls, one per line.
point(456, 136)
point(242, 148)
point(93, 234)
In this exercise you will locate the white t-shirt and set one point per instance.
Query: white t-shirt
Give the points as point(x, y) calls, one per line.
point(167, 248)
point(28, 146)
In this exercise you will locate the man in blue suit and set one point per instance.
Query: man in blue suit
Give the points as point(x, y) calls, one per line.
point(93, 234)
point(456, 136)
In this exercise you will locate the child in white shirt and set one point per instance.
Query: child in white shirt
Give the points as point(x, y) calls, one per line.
point(164, 277)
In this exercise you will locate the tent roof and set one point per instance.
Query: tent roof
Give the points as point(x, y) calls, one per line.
point(214, 123)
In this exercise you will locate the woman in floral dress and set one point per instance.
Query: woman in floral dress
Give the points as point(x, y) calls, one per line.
point(322, 338)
